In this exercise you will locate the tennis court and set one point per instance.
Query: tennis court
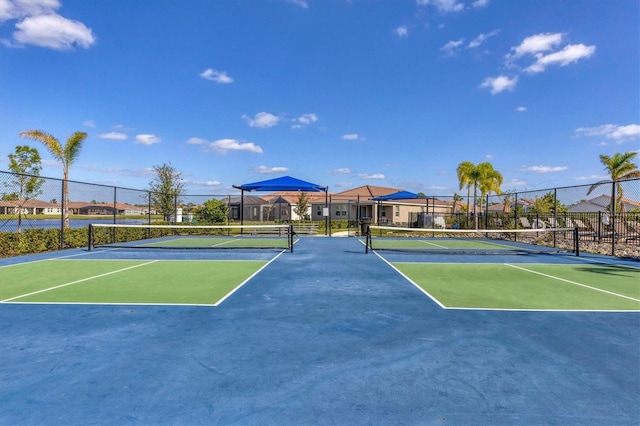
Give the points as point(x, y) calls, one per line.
point(326, 334)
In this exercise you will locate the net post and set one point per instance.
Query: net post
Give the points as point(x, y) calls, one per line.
point(576, 240)
point(90, 237)
point(367, 239)
point(290, 237)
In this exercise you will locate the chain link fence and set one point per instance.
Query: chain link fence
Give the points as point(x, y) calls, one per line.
point(607, 214)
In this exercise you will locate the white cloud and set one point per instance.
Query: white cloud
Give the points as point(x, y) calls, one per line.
point(206, 184)
point(373, 176)
point(53, 31)
point(612, 131)
point(568, 55)
point(269, 170)
point(544, 169)
point(114, 136)
point(341, 171)
point(302, 3)
point(350, 137)
point(224, 145)
point(544, 48)
point(307, 118)
point(18, 9)
point(515, 183)
point(593, 178)
point(196, 141)
point(521, 109)
point(480, 3)
point(146, 139)
point(451, 47)
point(263, 120)
point(481, 39)
point(444, 6)
point(219, 77)
point(402, 31)
point(86, 123)
point(537, 43)
point(499, 84)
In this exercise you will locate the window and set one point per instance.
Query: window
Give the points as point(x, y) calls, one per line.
point(397, 211)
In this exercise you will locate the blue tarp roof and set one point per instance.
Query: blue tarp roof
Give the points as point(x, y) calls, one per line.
point(284, 183)
point(400, 195)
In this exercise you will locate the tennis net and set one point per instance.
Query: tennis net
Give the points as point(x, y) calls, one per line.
point(485, 241)
point(276, 236)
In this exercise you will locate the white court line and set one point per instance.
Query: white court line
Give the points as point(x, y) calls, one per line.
point(433, 244)
point(250, 277)
point(411, 281)
point(573, 282)
point(76, 282)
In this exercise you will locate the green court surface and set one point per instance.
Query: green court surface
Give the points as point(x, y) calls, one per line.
point(124, 281)
point(527, 286)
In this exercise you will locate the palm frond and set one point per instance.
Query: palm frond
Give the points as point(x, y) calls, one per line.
point(49, 141)
point(73, 145)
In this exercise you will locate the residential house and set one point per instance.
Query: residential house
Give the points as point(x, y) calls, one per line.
point(32, 206)
point(601, 204)
point(282, 204)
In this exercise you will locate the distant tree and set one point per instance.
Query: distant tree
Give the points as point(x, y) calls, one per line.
point(212, 211)
point(456, 199)
point(620, 167)
point(25, 162)
point(302, 206)
point(66, 154)
point(165, 190)
point(547, 204)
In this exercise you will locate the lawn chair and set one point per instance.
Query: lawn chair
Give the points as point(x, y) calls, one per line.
point(633, 230)
point(538, 224)
point(583, 230)
point(525, 222)
point(553, 222)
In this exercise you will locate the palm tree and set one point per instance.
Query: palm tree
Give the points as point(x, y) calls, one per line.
point(66, 154)
point(465, 171)
point(483, 177)
point(620, 167)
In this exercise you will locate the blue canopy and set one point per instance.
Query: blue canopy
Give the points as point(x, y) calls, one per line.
point(285, 183)
point(400, 195)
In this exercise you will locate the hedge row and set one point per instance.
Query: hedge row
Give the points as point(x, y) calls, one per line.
point(36, 240)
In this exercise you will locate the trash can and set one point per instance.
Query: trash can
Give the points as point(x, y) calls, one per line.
point(364, 225)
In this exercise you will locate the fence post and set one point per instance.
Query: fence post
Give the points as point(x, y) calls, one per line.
point(62, 216)
point(115, 207)
point(612, 218)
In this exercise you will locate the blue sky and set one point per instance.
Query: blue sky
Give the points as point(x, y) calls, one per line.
point(341, 93)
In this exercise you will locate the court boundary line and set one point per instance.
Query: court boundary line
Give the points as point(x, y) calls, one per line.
point(572, 282)
point(77, 281)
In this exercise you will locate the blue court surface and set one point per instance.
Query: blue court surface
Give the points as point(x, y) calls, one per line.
point(326, 335)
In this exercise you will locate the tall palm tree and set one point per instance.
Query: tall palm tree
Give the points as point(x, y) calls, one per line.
point(465, 171)
point(483, 177)
point(66, 154)
point(620, 167)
